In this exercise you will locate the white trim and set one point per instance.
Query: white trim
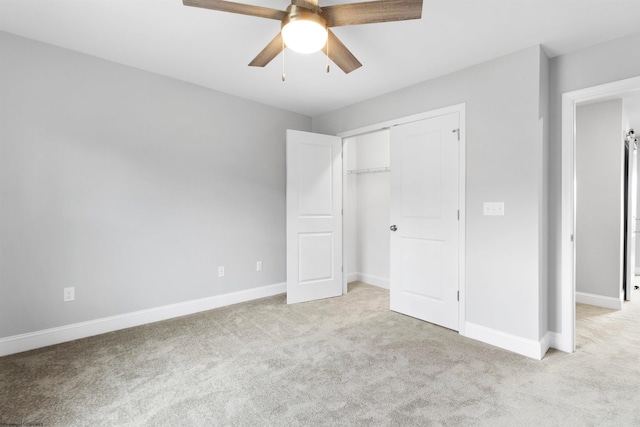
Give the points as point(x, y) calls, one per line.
point(345, 195)
point(545, 344)
point(353, 277)
point(33, 340)
point(404, 120)
point(370, 279)
point(637, 271)
point(599, 300)
point(462, 233)
point(567, 228)
point(461, 110)
point(555, 341)
point(516, 344)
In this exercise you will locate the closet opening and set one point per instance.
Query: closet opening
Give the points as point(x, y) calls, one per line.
point(366, 203)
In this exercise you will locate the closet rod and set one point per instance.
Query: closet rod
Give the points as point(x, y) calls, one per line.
point(368, 170)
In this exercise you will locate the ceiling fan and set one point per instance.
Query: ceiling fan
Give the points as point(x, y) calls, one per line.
point(305, 25)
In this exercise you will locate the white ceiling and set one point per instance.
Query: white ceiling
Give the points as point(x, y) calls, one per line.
point(212, 49)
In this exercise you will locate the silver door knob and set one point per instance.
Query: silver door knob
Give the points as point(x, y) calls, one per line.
point(393, 228)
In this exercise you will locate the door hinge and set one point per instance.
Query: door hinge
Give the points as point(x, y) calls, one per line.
point(572, 237)
point(458, 214)
point(342, 269)
point(458, 132)
point(458, 295)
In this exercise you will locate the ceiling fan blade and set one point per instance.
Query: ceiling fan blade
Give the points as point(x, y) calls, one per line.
point(340, 55)
point(244, 9)
point(268, 53)
point(372, 12)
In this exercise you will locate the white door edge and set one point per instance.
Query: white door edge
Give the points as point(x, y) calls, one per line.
point(630, 223)
point(345, 264)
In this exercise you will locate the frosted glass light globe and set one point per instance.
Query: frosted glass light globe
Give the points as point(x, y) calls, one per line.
point(304, 33)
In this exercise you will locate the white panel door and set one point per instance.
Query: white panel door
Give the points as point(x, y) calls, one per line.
point(314, 216)
point(424, 213)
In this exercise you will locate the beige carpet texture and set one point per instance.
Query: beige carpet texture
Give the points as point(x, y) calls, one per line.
point(346, 361)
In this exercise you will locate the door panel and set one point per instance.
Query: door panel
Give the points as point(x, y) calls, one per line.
point(315, 252)
point(421, 186)
point(314, 216)
point(422, 272)
point(315, 191)
point(424, 207)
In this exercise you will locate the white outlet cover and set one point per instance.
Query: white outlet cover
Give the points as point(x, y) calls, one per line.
point(493, 208)
point(69, 294)
point(259, 266)
point(221, 271)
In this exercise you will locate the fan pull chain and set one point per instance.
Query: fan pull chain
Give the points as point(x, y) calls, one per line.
point(327, 49)
point(283, 49)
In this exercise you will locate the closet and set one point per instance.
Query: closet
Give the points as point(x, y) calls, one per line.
point(366, 208)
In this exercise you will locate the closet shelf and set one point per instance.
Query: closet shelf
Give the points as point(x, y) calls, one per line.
point(368, 170)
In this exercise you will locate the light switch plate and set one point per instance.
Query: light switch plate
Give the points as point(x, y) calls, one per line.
point(494, 208)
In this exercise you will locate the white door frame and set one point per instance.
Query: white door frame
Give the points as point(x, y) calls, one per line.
point(630, 219)
point(460, 109)
point(567, 338)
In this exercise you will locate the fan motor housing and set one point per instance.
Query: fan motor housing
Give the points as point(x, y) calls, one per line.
point(295, 13)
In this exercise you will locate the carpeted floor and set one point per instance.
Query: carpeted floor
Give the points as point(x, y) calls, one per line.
point(342, 361)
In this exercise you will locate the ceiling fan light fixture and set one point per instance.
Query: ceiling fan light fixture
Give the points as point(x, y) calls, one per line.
point(304, 31)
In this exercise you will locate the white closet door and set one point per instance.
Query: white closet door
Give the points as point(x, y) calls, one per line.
point(314, 216)
point(424, 211)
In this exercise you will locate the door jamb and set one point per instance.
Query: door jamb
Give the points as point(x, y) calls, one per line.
point(460, 109)
point(567, 338)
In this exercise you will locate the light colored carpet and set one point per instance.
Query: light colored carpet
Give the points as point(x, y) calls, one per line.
point(342, 361)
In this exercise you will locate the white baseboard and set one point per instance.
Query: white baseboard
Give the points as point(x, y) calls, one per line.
point(599, 300)
point(545, 344)
point(381, 282)
point(33, 340)
point(559, 342)
point(516, 344)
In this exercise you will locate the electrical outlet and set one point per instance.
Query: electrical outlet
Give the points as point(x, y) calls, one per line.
point(259, 266)
point(69, 294)
point(221, 271)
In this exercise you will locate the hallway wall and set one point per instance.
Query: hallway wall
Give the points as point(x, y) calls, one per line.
point(599, 199)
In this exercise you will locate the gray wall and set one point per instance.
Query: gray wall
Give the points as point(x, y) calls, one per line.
point(603, 63)
point(118, 182)
point(599, 198)
point(504, 155)
point(131, 187)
